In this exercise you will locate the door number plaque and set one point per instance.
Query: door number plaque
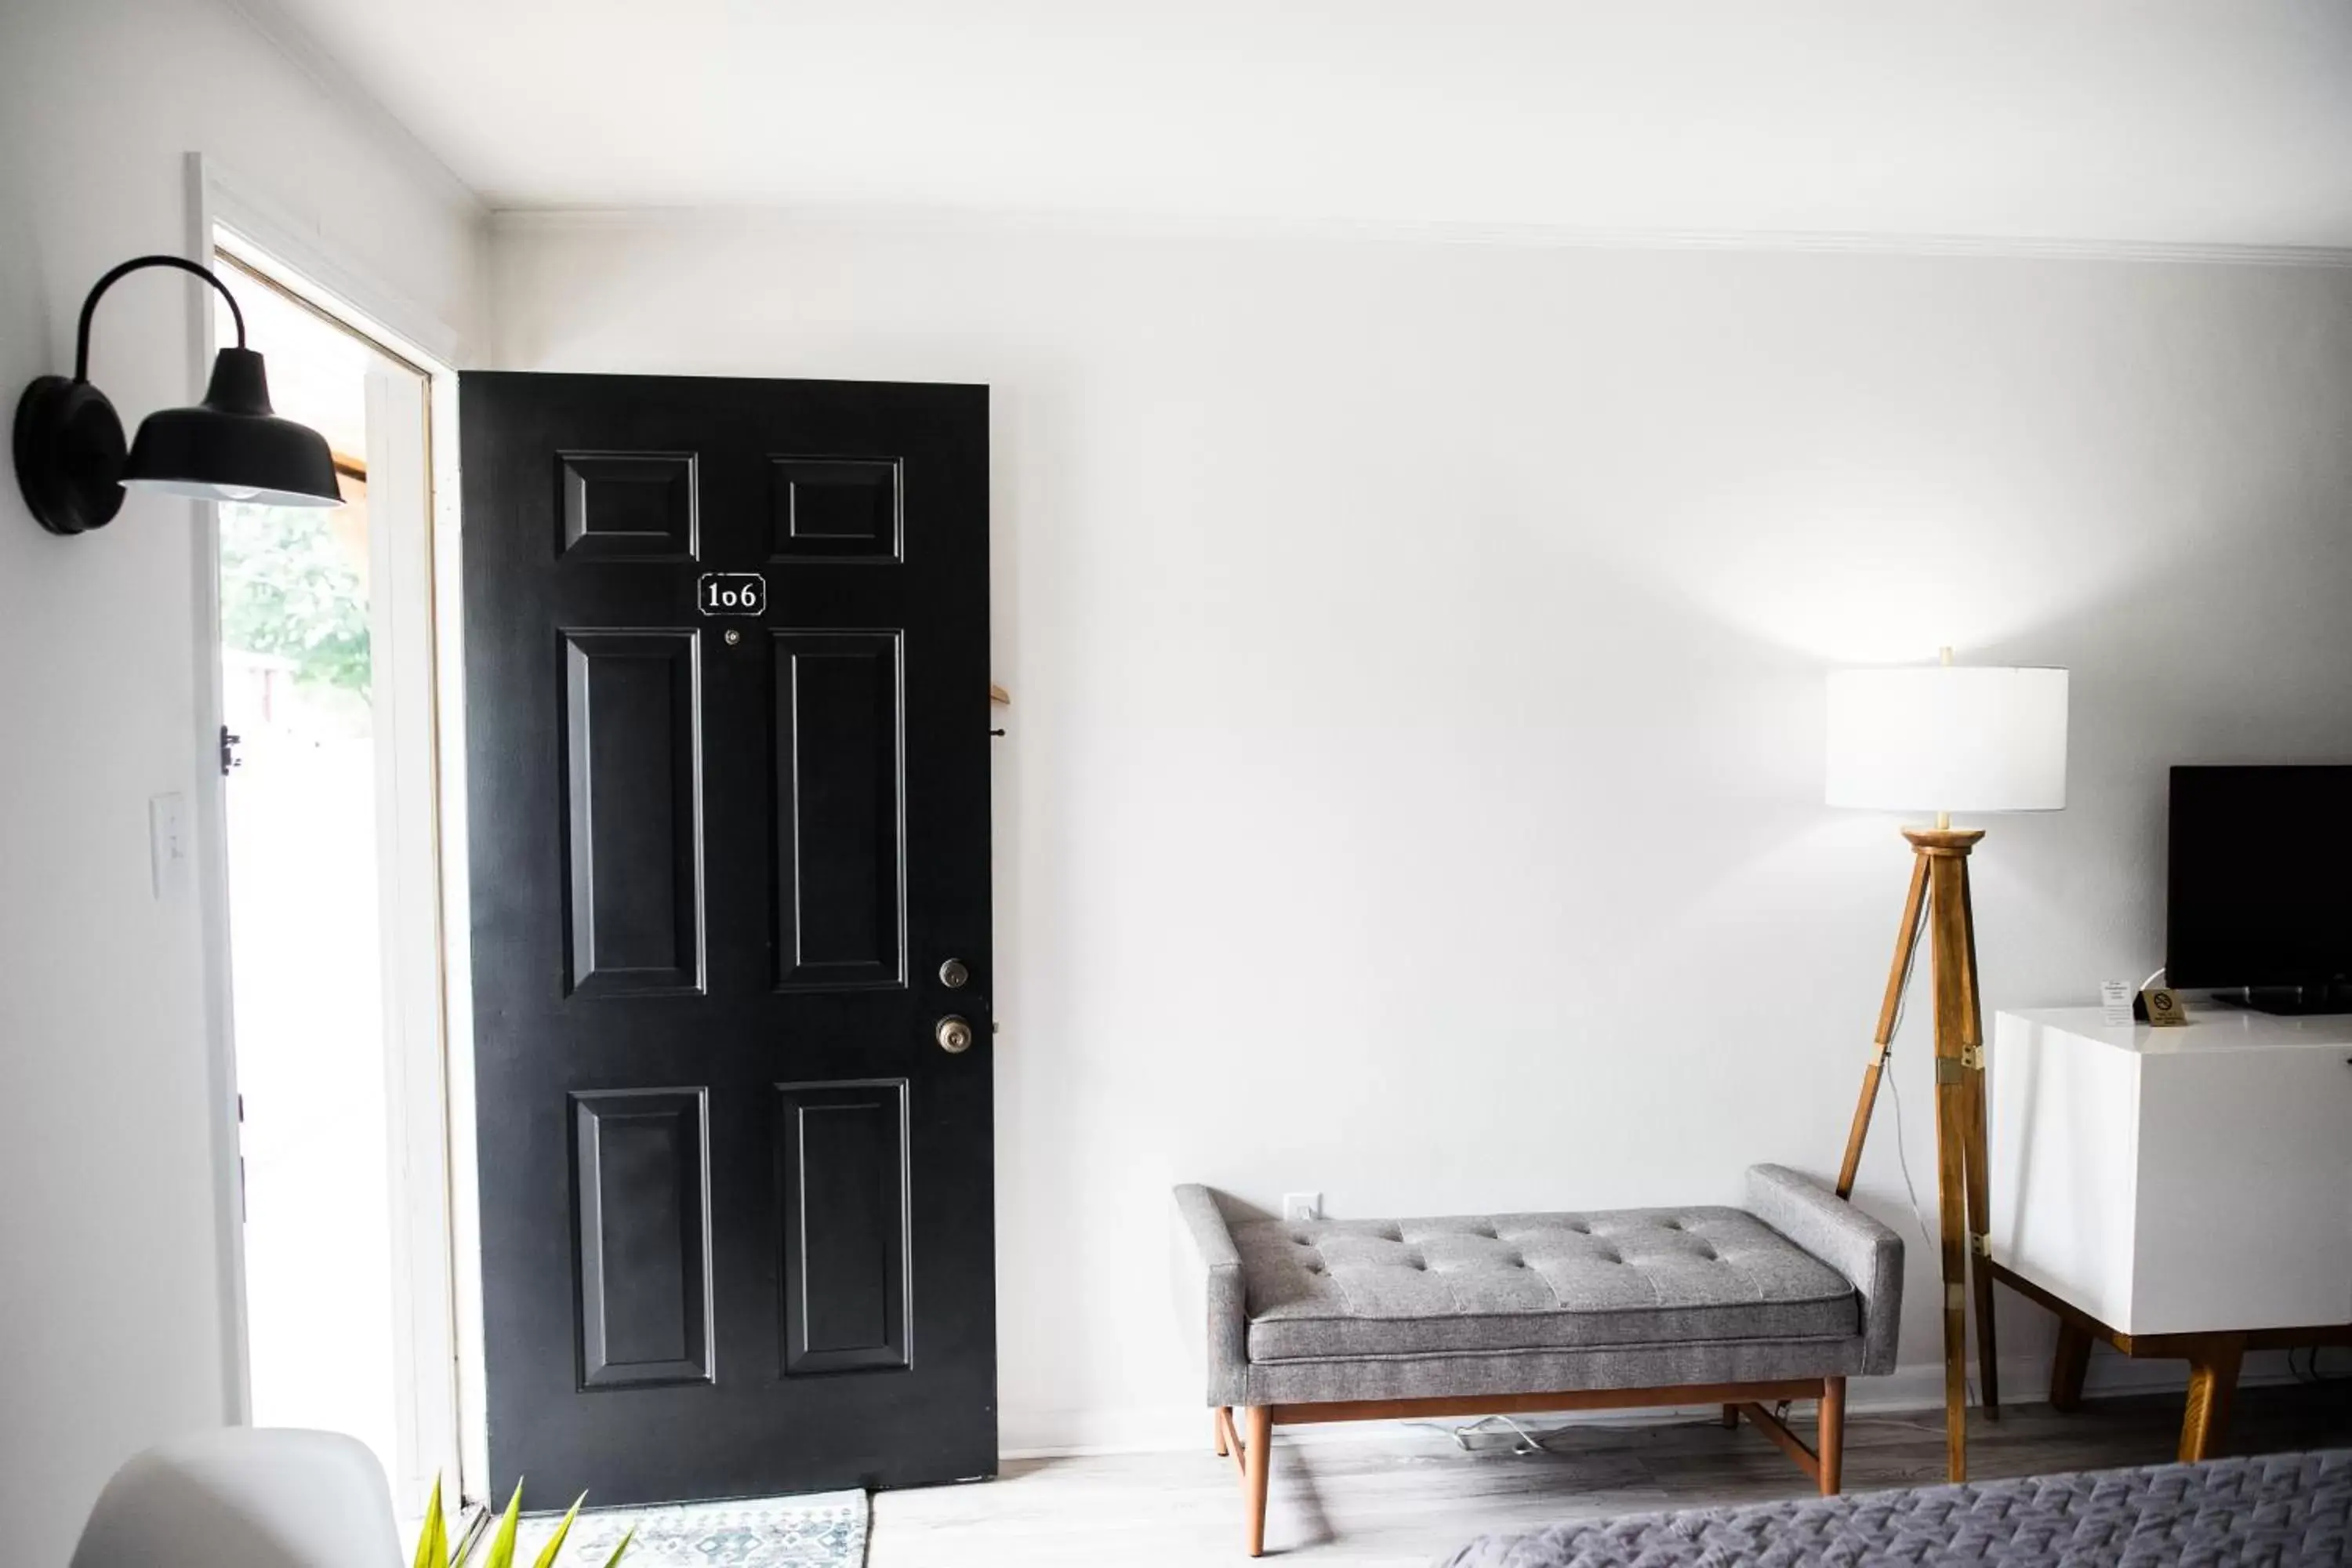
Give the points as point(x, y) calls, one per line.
point(731, 594)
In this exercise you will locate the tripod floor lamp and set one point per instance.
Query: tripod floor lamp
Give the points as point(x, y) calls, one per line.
point(1947, 738)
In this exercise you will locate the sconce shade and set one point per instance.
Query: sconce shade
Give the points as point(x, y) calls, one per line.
point(67, 440)
point(1947, 738)
point(231, 447)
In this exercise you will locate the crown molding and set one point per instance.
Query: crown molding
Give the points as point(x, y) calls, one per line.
point(956, 220)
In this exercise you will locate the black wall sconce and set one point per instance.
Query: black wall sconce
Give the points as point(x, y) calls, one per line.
point(72, 466)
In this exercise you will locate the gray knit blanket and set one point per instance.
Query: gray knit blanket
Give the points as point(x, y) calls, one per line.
point(2278, 1511)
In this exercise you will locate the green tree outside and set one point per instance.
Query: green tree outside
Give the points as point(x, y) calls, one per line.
point(287, 590)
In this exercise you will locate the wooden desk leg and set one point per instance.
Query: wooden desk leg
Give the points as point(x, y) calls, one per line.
point(2067, 1368)
point(1731, 1416)
point(2212, 1385)
point(1257, 1457)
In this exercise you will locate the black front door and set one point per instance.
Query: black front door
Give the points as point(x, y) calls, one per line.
point(726, 757)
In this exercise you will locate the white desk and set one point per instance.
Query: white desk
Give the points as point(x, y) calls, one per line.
point(2180, 1192)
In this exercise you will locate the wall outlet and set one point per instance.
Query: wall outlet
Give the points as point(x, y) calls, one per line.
point(167, 843)
point(1302, 1205)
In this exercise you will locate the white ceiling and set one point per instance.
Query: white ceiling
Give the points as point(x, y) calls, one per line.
point(2163, 121)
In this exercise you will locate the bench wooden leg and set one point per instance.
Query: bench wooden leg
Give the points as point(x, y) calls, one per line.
point(1251, 1436)
point(1831, 1438)
point(1257, 1457)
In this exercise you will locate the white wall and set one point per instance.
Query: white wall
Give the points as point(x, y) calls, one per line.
point(1415, 649)
point(112, 1332)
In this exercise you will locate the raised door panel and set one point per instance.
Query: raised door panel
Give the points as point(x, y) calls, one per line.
point(840, 806)
point(642, 1253)
point(841, 1180)
point(833, 509)
point(627, 506)
point(634, 812)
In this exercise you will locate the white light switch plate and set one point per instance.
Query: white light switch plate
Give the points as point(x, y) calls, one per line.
point(1302, 1205)
point(167, 844)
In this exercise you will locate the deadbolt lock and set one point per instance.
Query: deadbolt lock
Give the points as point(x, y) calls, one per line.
point(954, 976)
point(954, 1035)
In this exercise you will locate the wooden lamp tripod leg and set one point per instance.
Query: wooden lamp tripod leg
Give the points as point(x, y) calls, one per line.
point(1905, 941)
point(1939, 895)
point(1947, 941)
point(1979, 1177)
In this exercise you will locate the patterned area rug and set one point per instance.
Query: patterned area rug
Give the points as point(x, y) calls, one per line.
point(2276, 1511)
point(825, 1531)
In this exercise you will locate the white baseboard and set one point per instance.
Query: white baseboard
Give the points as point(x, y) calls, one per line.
point(1079, 1433)
point(1916, 1386)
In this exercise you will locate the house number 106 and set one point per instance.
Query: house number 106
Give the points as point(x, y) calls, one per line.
point(731, 594)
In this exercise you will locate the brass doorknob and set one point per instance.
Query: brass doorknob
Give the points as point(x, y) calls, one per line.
point(954, 1035)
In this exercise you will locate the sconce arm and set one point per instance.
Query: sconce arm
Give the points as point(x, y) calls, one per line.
point(89, 305)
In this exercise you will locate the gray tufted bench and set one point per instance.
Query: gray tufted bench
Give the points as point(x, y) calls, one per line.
point(1373, 1320)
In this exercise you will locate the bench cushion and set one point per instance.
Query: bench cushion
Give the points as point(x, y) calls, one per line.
point(1334, 1289)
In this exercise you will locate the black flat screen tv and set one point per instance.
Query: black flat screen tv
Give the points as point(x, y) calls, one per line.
point(2261, 877)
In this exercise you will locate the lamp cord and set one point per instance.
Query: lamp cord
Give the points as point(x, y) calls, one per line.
point(89, 305)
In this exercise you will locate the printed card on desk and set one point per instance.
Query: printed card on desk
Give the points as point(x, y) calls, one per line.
point(2114, 1002)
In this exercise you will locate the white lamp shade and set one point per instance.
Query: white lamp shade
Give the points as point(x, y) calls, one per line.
point(1947, 738)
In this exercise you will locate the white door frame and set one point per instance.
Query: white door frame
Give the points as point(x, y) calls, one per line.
point(418, 679)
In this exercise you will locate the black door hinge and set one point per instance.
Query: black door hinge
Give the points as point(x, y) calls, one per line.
point(228, 743)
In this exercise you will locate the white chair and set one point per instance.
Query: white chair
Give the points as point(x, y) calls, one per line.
point(245, 1496)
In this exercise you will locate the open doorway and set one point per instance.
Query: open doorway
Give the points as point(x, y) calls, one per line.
point(327, 681)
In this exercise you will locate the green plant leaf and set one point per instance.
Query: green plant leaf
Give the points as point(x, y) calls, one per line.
point(502, 1544)
point(609, 1561)
point(547, 1556)
point(433, 1541)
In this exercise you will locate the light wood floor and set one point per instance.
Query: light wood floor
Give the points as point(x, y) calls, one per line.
point(1407, 1503)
